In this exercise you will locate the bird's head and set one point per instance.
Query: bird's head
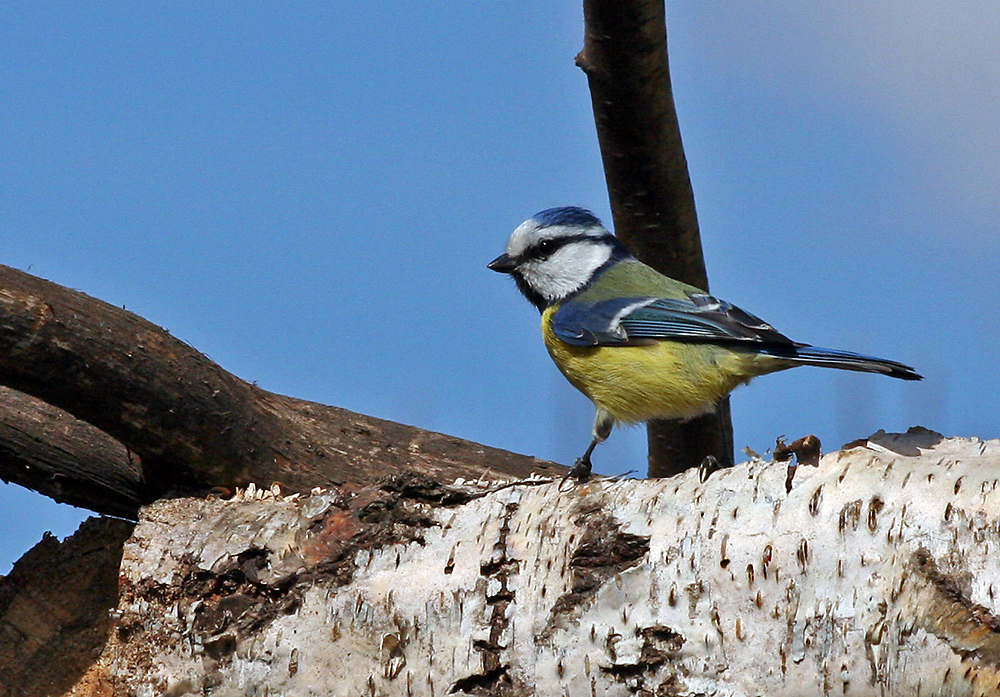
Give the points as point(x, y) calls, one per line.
point(556, 253)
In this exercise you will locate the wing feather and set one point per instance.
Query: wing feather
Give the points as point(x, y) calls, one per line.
point(641, 320)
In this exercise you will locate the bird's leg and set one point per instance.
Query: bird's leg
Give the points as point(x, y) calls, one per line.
point(603, 423)
point(582, 467)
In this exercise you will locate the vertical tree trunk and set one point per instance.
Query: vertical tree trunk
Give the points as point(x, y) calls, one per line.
point(625, 59)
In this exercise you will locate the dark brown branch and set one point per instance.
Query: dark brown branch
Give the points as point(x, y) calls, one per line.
point(652, 202)
point(45, 449)
point(191, 424)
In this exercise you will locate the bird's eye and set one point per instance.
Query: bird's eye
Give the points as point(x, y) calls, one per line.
point(546, 247)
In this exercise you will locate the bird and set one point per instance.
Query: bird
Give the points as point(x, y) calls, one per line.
point(638, 344)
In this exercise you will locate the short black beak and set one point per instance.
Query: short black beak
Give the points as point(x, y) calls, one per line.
point(503, 264)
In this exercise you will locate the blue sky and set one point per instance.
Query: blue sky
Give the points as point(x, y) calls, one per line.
point(309, 194)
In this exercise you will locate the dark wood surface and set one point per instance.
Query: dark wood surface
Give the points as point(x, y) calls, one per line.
point(114, 412)
point(625, 59)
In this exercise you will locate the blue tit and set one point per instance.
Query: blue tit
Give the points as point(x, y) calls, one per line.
point(640, 345)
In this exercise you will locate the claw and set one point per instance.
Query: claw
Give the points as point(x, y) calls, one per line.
point(581, 470)
point(707, 467)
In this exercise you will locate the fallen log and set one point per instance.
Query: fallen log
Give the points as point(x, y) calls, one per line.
point(875, 573)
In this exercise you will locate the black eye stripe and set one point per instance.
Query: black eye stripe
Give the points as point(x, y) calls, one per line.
point(547, 248)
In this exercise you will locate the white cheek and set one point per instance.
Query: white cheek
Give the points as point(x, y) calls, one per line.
point(566, 271)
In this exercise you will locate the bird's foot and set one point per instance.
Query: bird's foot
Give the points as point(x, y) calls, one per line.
point(708, 467)
point(580, 470)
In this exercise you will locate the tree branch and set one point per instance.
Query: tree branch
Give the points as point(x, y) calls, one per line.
point(49, 451)
point(188, 424)
point(625, 59)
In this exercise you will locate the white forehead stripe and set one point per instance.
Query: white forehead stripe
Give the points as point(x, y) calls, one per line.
point(528, 234)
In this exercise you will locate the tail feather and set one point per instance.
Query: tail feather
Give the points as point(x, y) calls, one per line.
point(845, 360)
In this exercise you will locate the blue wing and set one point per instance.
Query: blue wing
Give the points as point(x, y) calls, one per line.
point(638, 320)
point(700, 318)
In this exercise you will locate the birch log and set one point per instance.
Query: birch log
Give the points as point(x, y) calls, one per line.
point(875, 574)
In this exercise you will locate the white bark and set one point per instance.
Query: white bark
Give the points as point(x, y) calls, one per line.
point(876, 574)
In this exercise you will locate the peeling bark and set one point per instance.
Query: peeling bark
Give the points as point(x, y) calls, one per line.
point(876, 574)
point(56, 611)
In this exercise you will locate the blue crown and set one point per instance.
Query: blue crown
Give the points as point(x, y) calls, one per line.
point(565, 215)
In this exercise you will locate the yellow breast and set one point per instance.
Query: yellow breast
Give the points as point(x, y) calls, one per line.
point(667, 379)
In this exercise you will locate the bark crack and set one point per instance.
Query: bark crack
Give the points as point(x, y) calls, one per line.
point(494, 680)
point(604, 550)
point(661, 646)
point(971, 630)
